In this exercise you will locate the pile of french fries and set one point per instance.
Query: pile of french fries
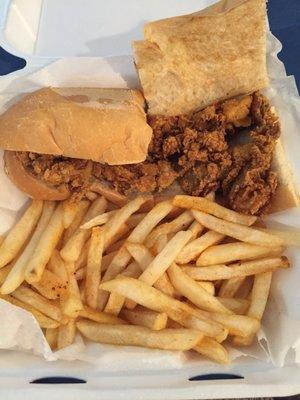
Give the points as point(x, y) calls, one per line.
point(182, 273)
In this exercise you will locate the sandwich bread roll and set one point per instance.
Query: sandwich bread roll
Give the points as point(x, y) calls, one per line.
point(286, 195)
point(104, 125)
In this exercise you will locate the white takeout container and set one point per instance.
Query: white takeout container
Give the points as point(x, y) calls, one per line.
point(41, 31)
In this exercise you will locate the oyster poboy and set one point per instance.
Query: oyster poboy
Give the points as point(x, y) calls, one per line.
point(209, 128)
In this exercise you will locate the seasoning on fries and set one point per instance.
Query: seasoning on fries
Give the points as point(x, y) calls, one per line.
point(239, 232)
point(93, 267)
point(245, 268)
point(210, 207)
point(164, 280)
point(131, 335)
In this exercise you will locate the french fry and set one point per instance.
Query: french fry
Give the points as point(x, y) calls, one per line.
point(208, 286)
point(223, 293)
point(80, 264)
point(116, 301)
point(163, 283)
point(58, 268)
point(99, 316)
point(93, 268)
point(289, 238)
point(231, 286)
point(138, 235)
point(143, 257)
point(116, 267)
point(196, 229)
point(66, 334)
point(194, 292)
point(226, 253)
point(160, 243)
point(243, 341)
point(148, 318)
point(155, 300)
point(245, 268)
point(178, 224)
point(45, 306)
point(18, 235)
point(83, 205)
point(130, 335)
point(237, 324)
point(120, 217)
point(212, 350)
point(194, 248)
point(237, 306)
point(45, 246)
point(121, 234)
point(259, 297)
point(210, 207)
point(50, 286)
point(114, 304)
point(72, 303)
point(42, 319)
point(70, 209)
point(239, 232)
point(51, 337)
point(98, 220)
point(72, 249)
point(165, 258)
point(140, 253)
point(4, 272)
point(233, 323)
point(82, 259)
point(17, 273)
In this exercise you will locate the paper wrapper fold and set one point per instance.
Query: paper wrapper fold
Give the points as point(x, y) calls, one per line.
point(280, 334)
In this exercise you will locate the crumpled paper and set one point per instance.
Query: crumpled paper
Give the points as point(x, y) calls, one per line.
point(280, 334)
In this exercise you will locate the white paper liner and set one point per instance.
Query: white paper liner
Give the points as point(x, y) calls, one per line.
point(281, 324)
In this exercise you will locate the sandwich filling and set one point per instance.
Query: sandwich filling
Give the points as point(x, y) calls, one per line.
point(226, 148)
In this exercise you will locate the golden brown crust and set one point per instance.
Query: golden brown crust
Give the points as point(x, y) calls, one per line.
point(286, 195)
point(103, 125)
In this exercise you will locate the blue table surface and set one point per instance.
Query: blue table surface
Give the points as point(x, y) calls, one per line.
point(284, 17)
